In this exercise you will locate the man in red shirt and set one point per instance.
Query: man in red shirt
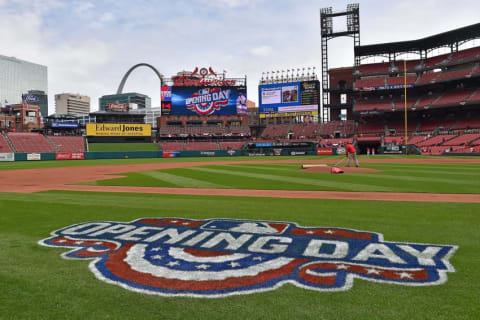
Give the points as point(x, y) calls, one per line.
point(351, 153)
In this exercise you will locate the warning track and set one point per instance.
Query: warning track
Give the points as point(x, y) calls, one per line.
point(45, 179)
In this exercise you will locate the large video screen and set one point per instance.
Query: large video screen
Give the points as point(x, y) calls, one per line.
point(203, 101)
point(293, 98)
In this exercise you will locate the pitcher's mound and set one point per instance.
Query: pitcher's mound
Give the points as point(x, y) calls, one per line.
point(327, 169)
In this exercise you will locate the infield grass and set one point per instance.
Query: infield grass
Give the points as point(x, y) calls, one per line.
point(36, 283)
point(393, 177)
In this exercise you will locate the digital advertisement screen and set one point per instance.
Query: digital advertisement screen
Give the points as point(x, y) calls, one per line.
point(203, 101)
point(280, 99)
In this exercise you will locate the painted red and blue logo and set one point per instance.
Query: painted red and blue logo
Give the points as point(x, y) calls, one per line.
point(222, 257)
point(206, 101)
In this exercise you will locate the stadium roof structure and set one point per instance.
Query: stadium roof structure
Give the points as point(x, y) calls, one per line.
point(449, 38)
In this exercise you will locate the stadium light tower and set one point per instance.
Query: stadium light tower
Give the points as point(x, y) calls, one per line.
point(327, 33)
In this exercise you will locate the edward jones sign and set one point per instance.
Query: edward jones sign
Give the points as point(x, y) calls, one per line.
point(119, 130)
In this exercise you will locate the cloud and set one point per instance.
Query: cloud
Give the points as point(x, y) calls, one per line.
point(262, 51)
point(84, 6)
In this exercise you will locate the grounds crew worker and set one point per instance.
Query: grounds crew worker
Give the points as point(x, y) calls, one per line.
point(351, 153)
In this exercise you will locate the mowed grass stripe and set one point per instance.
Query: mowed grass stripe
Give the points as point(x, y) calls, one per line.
point(419, 178)
point(181, 181)
point(290, 179)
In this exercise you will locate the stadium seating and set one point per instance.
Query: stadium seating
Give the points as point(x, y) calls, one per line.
point(411, 64)
point(384, 105)
point(431, 125)
point(399, 127)
point(4, 146)
point(463, 139)
point(435, 140)
point(456, 74)
point(399, 104)
point(371, 128)
point(201, 145)
point(330, 142)
point(400, 80)
point(428, 77)
point(68, 144)
point(426, 101)
point(472, 123)
point(474, 97)
point(416, 139)
point(30, 142)
point(435, 61)
point(225, 145)
point(454, 97)
point(239, 130)
point(369, 82)
point(333, 127)
point(466, 55)
point(374, 68)
point(276, 131)
point(171, 145)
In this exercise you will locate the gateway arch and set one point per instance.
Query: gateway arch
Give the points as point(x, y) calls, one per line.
point(125, 77)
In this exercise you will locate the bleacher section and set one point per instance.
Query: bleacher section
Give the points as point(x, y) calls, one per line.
point(466, 55)
point(369, 82)
point(225, 145)
point(435, 140)
point(426, 101)
point(333, 127)
point(377, 128)
point(455, 74)
point(411, 64)
point(384, 105)
point(428, 77)
point(4, 146)
point(467, 124)
point(179, 131)
point(374, 68)
point(435, 61)
point(400, 80)
point(464, 139)
point(30, 142)
point(171, 145)
point(453, 97)
point(431, 125)
point(200, 145)
point(68, 144)
point(400, 104)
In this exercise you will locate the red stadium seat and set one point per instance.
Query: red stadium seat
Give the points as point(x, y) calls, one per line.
point(30, 142)
point(4, 146)
point(68, 144)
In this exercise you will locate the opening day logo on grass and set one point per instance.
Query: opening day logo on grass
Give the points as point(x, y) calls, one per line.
point(222, 257)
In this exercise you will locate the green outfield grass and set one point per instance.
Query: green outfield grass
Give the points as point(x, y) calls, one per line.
point(36, 283)
point(112, 147)
point(393, 177)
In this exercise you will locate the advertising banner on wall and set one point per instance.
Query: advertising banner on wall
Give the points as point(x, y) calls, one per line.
point(203, 101)
point(324, 151)
point(118, 130)
point(287, 99)
point(65, 125)
point(34, 156)
point(7, 157)
point(69, 156)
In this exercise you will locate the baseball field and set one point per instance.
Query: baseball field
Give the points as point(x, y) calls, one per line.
point(427, 207)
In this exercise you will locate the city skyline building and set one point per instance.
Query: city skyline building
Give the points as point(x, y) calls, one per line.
point(73, 104)
point(18, 77)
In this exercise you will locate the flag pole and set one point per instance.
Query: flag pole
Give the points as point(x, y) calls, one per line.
point(405, 94)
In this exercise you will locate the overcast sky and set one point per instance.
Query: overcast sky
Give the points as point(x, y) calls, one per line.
point(89, 45)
